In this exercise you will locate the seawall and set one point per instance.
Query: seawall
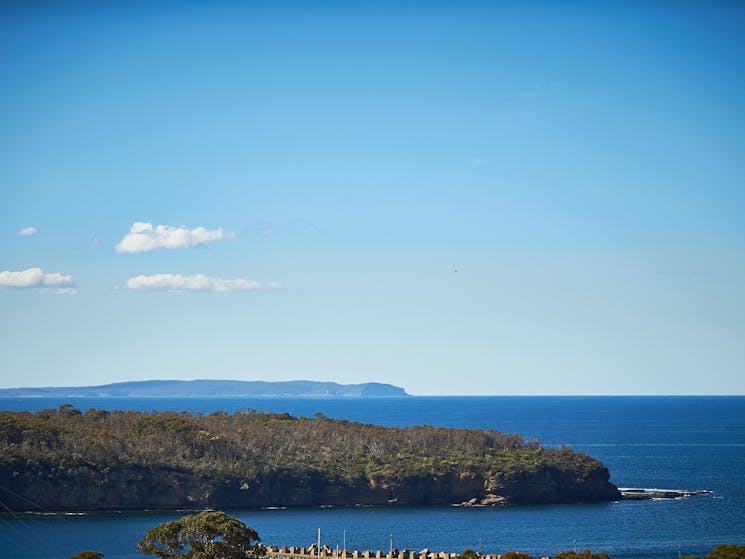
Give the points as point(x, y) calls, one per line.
point(325, 552)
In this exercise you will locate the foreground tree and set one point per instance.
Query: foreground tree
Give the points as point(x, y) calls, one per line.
point(584, 554)
point(88, 554)
point(727, 551)
point(206, 535)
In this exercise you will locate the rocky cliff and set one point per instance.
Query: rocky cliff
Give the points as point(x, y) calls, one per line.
point(66, 460)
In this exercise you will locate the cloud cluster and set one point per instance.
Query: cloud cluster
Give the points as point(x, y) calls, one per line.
point(143, 237)
point(36, 278)
point(197, 282)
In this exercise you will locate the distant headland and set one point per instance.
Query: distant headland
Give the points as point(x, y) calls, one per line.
point(221, 388)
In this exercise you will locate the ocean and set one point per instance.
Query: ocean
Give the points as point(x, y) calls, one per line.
point(656, 442)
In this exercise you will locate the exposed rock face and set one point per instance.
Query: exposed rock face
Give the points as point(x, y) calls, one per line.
point(45, 487)
point(549, 485)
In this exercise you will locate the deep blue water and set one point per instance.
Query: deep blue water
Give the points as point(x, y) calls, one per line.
point(667, 442)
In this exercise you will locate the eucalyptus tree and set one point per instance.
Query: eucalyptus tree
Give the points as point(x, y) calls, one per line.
point(205, 535)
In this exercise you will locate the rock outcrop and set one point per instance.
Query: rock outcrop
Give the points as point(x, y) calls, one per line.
point(643, 494)
point(46, 487)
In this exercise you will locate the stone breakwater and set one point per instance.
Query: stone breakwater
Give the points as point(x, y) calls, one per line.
point(325, 552)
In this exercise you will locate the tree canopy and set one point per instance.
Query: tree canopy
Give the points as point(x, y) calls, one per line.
point(584, 554)
point(205, 535)
point(727, 551)
point(88, 554)
point(516, 555)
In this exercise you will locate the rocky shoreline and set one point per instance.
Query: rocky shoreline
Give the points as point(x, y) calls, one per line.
point(645, 494)
point(626, 494)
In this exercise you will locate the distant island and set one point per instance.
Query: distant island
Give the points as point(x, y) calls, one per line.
point(68, 460)
point(223, 388)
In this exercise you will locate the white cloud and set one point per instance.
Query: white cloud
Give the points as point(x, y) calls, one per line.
point(36, 278)
point(143, 237)
point(65, 291)
point(27, 231)
point(197, 282)
point(57, 279)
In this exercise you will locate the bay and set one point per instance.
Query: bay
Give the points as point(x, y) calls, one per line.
point(695, 442)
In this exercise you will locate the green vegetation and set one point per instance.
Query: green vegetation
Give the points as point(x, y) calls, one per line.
point(726, 551)
point(88, 555)
point(207, 535)
point(584, 554)
point(67, 459)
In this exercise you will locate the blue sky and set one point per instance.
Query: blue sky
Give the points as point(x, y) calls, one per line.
point(455, 197)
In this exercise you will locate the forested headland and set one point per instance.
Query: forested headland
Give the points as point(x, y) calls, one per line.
point(66, 459)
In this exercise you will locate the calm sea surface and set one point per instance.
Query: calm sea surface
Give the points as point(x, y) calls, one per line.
point(663, 442)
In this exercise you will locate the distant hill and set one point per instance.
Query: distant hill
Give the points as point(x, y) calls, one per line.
point(202, 388)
